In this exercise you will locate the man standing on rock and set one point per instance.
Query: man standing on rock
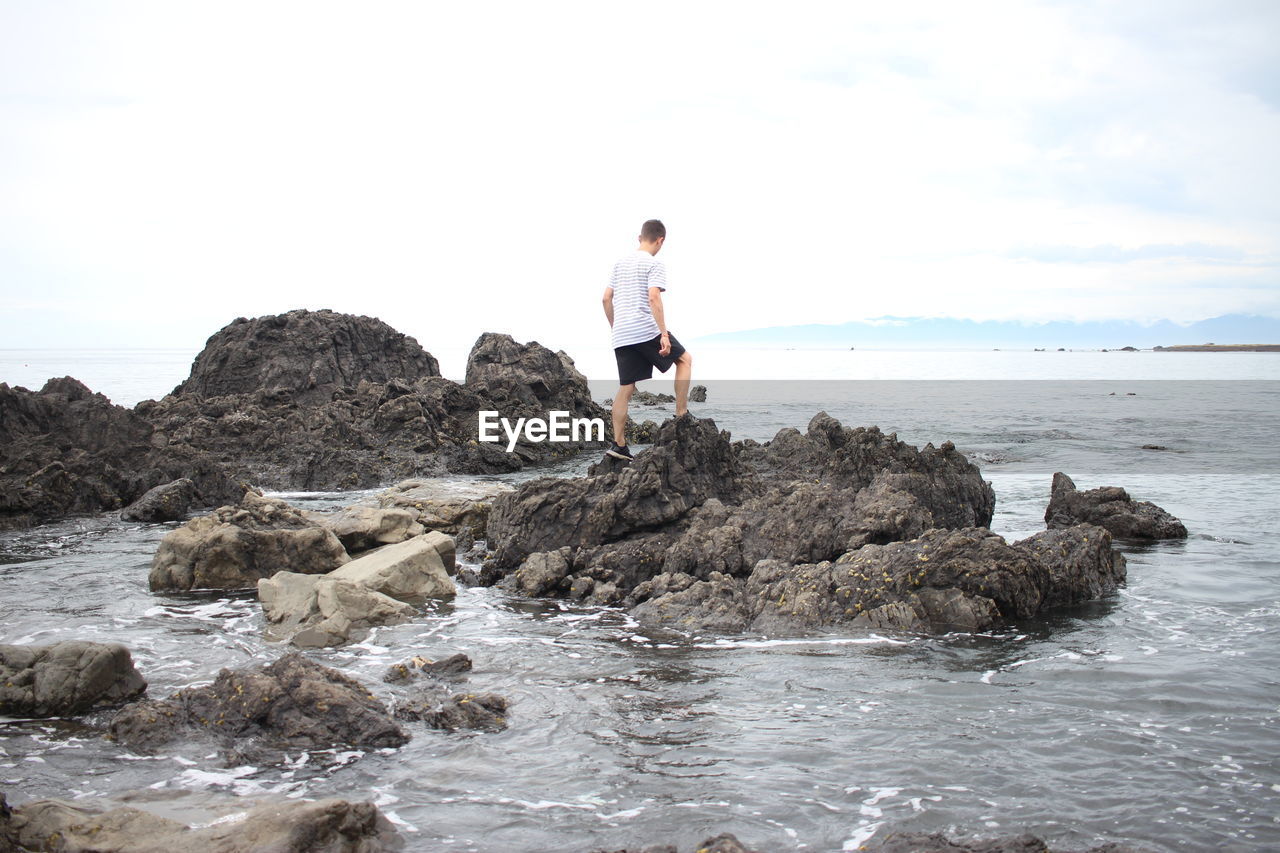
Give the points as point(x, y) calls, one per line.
point(641, 342)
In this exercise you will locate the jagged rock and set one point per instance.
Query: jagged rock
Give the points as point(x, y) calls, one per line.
point(314, 611)
point(236, 546)
point(65, 450)
point(361, 528)
point(1081, 562)
point(698, 394)
point(292, 702)
point(66, 678)
point(449, 506)
point(291, 826)
point(482, 711)
point(304, 356)
point(504, 371)
point(1109, 507)
point(170, 502)
point(690, 463)
point(408, 571)
point(451, 666)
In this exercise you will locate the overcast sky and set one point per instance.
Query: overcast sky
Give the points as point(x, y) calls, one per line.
point(454, 168)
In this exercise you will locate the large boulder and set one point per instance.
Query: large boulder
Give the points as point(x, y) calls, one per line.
point(510, 373)
point(66, 678)
point(287, 826)
point(362, 528)
point(1081, 562)
point(1109, 507)
point(236, 546)
point(409, 571)
point(304, 356)
point(314, 611)
point(292, 702)
point(169, 502)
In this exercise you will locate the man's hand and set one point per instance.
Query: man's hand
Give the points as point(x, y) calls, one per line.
point(664, 345)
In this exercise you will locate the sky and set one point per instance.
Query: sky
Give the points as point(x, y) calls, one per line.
point(464, 167)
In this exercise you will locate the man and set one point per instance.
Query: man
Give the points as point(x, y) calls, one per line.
point(641, 341)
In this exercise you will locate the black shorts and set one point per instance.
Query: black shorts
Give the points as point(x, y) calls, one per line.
point(637, 361)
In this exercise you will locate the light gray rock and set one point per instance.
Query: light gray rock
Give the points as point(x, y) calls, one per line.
point(314, 611)
point(362, 528)
point(236, 546)
point(447, 505)
point(409, 571)
point(66, 678)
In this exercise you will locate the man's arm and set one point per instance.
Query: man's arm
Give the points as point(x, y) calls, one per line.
point(608, 304)
point(655, 308)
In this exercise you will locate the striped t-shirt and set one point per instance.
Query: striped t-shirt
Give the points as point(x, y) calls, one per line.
point(632, 277)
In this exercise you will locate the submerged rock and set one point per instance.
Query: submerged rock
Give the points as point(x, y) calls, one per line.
point(726, 842)
point(472, 711)
point(937, 842)
point(66, 678)
point(287, 826)
point(1109, 507)
point(236, 546)
point(293, 702)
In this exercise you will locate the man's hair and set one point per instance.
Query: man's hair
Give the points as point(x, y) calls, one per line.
point(652, 230)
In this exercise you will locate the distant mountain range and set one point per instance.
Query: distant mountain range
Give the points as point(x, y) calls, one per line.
point(945, 333)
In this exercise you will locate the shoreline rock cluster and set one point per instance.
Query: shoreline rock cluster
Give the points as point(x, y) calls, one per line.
point(308, 400)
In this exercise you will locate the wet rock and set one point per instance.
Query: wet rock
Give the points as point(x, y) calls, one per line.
point(448, 667)
point(66, 678)
point(1109, 507)
point(304, 356)
point(471, 711)
point(314, 611)
point(362, 528)
point(8, 832)
point(408, 571)
point(293, 826)
point(648, 398)
point(293, 702)
point(1081, 562)
point(236, 546)
point(724, 843)
point(698, 394)
point(170, 502)
point(937, 842)
point(690, 463)
point(65, 450)
point(449, 506)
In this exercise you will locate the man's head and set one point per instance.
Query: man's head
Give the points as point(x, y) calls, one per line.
point(652, 235)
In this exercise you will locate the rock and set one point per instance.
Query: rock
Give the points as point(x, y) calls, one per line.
point(451, 666)
point(361, 528)
point(408, 571)
point(690, 462)
point(481, 711)
point(290, 826)
point(292, 703)
point(698, 394)
point(314, 611)
point(8, 832)
point(449, 506)
point(1081, 562)
point(724, 843)
point(304, 356)
point(506, 372)
point(937, 842)
point(648, 398)
point(169, 502)
point(66, 678)
point(1109, 507)
point(236, 546)
point(65, 450)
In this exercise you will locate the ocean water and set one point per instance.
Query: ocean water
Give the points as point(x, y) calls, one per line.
point(1151, 716)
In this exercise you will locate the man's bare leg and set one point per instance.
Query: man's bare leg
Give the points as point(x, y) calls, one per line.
point(684, 372)
point(620, 402)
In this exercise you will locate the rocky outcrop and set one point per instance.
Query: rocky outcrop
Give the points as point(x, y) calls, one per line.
point(65, 450)
point(304, 356)
point(291, 703)
point(471, 711)
point(288, 826)
point(236, 546)
point(170, 502)
point(66, 678)
point(1109, 507)
point(314, 611)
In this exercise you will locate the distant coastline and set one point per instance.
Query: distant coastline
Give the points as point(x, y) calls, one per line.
point(1219, 348)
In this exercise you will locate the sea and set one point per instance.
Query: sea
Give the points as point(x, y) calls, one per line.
point(1151, 716)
